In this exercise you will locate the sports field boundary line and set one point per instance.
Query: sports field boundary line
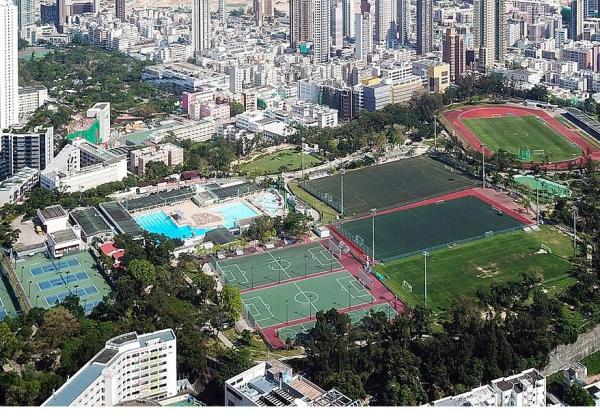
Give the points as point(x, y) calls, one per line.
point(262, 251)
point(293, 280)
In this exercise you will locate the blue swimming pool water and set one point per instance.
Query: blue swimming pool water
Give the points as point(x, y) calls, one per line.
point(161, 223)
point(268, 202)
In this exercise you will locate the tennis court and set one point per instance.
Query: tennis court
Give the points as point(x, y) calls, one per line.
point(298, 331)
point(445, 223)
point(389, 185)
point(303, 298)
point(48, 282)
point(247, 272)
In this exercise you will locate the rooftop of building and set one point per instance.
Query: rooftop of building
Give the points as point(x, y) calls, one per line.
point(18, 179)
point(90, 221)
point(52, 212)
point(64, 235)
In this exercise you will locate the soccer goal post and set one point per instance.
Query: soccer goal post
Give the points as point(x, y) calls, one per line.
point(365, 279)
point(407, 286)
point(335, 249)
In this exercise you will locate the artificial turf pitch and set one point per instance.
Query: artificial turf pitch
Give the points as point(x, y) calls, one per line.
point(276, 266)
point(303, 298)
point(514, 133)
point(389, 185)
point(464, 269)
point(405, 232)
point(294, 331)
point(278, 161)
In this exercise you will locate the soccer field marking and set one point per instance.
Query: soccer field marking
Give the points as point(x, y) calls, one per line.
point(307, 298)
point(277, 260)
point(361, 292)
point(260, 315)
point(231, 273)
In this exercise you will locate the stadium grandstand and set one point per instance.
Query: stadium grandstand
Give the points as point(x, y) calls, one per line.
point(159, 199)
point(583, 121)
point(116, 214)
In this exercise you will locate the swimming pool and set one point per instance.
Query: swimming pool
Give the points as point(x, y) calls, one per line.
point(161, 223)
point(268, 202)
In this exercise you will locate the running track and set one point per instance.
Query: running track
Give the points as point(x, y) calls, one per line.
point(454, 118)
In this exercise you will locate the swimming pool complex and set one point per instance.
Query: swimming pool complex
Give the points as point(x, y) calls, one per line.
point(161, 223)
point(268, 202)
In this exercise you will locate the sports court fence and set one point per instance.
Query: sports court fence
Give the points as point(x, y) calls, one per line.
point(324, 196)
point(217, 267)
point(250, 319)
point(364, 276)
point(361, 242)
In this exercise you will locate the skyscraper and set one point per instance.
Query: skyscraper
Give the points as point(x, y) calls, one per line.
point(577, 18)
point(348, 18)
point(402, 18)
point(321, 30)
point(222, 13)
point(489, 21)
point(454, 52)
point(9, 69)
point(120, 10)
point(61, 15)
point(364, 35)
point(268, 9)
point(26, 13)
point(301, 22)
point(337, 23)
point(257, 8)
point(200, 26)
point(424, 26)
point(384, 22)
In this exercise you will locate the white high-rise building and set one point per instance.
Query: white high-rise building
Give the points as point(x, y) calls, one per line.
point(129, 367)
point(9, 64)
point(222, 13)
point(337, 23)
point(101, 111)
point(384, 21)
point(200, 26)
point(489, 21)
point(364, 36)
point(321, 30)
point(402, 21)
point(349, 19)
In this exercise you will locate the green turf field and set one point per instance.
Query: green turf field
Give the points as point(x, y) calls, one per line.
point(355, 317)
point(280, 265)
point(388, 185)
point(512, 133)
point(592, 362)
point(47, 282)
point(404, 232)
point(463, 269)
point(278, 161)
point(303, 298)
point(7, 305)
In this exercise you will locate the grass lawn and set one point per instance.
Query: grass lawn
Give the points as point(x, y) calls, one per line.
point(463, 269)
point(512, 133)
point(278, 161)
point(328, 214)
point(592, 362)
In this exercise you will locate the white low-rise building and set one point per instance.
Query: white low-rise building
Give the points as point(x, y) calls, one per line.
point(130, 367)
point(13, 189)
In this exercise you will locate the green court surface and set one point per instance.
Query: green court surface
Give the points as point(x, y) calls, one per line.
point(545, 187)
point(280, 265)
point(303, 298)
point(48, 281)
point(278, 161)
point(7, 306)
point(464, 269)
point(515, 133)
point(388, 185)
point(294, 331)
point(406, 232)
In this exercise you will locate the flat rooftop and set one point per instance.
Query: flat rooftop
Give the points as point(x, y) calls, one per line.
point(90, 221)
point(53, 212)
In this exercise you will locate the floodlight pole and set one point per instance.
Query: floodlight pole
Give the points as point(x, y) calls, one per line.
point(252, 277)
point(434, 133)
point(342, 172)
point(537, 205)
point(574, 231)
point(286, 310)
point(279, 262)
point(373, 212)
point(22, 268)
point(305, 257)
point(29, 292)
point(349, 297)
point(36, 300)
point(425, 254)
point(483, 166)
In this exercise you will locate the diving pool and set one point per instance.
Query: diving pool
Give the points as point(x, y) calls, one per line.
point(234, 212)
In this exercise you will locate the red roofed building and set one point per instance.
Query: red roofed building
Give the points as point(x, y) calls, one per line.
point(109, 249)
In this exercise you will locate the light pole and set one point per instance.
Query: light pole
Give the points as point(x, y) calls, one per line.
point(342, 172)
point(483, 166)
point(305, 258)
point(349, 303)
point(373, 213)
point(279, 262)
point(22, 268)
point(309, 307)
point(434, 133)
point(286, 310)
point(302, 158)
point(425, 254)
point(29, 291)
point(252, 277)
point(537, 202)
point(36, 300)
point(575, 230)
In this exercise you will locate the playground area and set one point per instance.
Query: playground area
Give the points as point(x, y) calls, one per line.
point(388, 185)
point(276, 266)
point(299, 299)
point(438, 223)
point(462, 270)
point(293, 332)
point(48, 281)
point(532, 135)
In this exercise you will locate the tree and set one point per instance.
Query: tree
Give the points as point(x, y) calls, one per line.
point(235, 108)
point(578, 396)
point(9, 344)
point(156, 170)
point(262, 229)
point(231, 301)
point(59, 324)
point(233, 362)
point(295, 224)
point(143, 272)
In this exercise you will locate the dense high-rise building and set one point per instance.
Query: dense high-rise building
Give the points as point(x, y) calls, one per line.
point(337, 23)
point(348, 18)
point(301, 22)
point(489, 21)
point(364, 35)
point(454, 52)
point(26, 13)
point(384, 16)
point(591, 9)
point(268, 10)
point(9, 64)
point(577, 18)
point(402, 19)
point(321, 30)
point(120, 10)
point(257, 8)
point(61, 15)
point(20, 148)
point(200, 26)
point(222, 14)
point(424, 26)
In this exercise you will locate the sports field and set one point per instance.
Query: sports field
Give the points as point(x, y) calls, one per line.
point(48, 281)
point(516, 133)
point(388, 185)
point(463, 269)
point(7, 307)
point(303, 298)
point(294, 331)
point(247, 272)
point(278, 161)
point(404, 232)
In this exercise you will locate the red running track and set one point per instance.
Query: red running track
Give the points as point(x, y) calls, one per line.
point(455, 117)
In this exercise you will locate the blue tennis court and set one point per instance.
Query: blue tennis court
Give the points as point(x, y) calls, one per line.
point(2, 310)
point(66, 279)
point(56, 266)
point(81, 292)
